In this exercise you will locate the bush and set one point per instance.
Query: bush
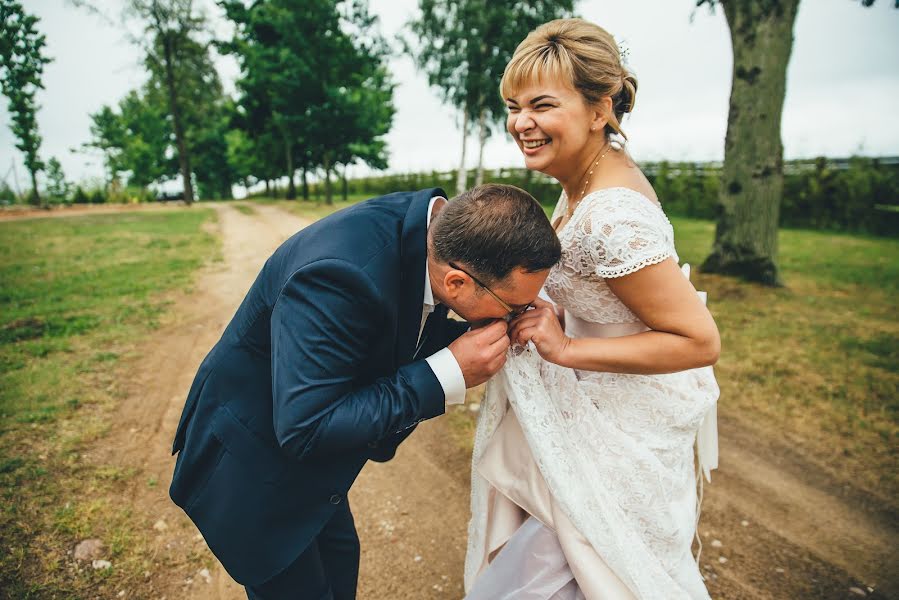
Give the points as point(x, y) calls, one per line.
point(7, 195)
point(98, 196)
point(80, 196)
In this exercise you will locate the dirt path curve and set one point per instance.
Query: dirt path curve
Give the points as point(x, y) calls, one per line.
point(784, 528)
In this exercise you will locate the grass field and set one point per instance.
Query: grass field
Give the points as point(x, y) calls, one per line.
point(76, 294)
point(818, 360)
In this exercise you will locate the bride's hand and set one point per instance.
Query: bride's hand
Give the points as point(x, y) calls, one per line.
point(541, 326)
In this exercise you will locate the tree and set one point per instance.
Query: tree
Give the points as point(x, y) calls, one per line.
point(134, 139)
point(275, 45)
point(21, 66)
point(171, 29)
point(464, 45)
point(761, 34)
point(138, 137)
point(358, 109)
point(313, 83)
point(171, 24)
point(57, 187)
point(205, 113)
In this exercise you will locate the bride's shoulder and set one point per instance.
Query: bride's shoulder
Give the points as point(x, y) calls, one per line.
point(616, 203)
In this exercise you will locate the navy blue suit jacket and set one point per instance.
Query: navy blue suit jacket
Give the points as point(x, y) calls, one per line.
point(314, 375)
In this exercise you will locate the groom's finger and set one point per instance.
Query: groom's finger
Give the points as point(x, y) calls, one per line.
point(493, 332)
point(499, 346)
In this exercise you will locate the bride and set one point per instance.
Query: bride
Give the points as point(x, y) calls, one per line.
point(583, 480)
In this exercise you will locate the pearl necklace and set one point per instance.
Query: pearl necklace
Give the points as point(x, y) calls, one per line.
point(573, 206)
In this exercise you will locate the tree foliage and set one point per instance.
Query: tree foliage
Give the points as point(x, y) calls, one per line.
point(57, 186)
point(313, 84)
point(463, 47)
point(22, 61)
point(138, 137)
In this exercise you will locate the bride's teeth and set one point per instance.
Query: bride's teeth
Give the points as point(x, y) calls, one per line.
point(533, 143)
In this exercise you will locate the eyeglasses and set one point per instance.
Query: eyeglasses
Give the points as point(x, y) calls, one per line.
point(512, 312)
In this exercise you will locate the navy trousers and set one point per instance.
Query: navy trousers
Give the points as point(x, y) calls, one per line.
point(327, 570)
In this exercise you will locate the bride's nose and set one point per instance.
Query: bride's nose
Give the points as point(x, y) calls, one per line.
point(523, 122)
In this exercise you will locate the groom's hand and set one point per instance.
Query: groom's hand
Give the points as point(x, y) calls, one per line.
point(481, 352)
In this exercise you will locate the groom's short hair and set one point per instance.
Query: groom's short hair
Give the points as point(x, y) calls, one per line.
point(493, 229)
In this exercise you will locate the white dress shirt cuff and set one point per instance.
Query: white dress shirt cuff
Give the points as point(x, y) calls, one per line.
point(449, 374)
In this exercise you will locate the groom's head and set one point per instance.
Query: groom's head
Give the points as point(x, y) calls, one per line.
point(489, 251)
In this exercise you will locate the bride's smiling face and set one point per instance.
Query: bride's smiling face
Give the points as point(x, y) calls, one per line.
point(551, 123)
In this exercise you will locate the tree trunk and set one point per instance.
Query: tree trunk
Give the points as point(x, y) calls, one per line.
point(462, 174)
point(752, 178)
point(35, 194)
point(305, 185)
point(288, 158)
point(482, 141)
point(183, 158)
point(345, 185)
point(268, 189)
point(329, 193)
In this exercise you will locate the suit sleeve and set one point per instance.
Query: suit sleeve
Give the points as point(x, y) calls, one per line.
point(324, 325)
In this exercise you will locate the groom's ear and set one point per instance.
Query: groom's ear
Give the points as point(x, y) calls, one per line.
point(454, 281)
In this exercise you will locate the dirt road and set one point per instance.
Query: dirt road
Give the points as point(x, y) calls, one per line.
point(773, 526)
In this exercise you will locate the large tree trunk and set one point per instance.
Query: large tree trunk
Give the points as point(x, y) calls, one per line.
point(482, 141)
point(175, 108)
point(752, 179)
point(345, 192)
point(305, 184)
point(462, 174)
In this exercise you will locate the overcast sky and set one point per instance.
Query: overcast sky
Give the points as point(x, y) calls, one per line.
point(842, 84)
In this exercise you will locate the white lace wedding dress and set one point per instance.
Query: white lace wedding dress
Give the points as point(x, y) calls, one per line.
point(599, 466)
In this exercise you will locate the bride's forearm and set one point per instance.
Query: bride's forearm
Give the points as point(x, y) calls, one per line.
point(646, 353)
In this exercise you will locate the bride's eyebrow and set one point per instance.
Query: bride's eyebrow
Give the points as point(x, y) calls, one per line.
point(533, 100)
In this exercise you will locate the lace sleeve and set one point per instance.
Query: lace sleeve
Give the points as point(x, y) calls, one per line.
point(621, 235)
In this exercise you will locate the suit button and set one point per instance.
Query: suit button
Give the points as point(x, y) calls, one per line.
point(373, 444)
point(335, 499)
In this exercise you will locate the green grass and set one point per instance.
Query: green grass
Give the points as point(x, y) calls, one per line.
point(76, 294)
point(816, 362)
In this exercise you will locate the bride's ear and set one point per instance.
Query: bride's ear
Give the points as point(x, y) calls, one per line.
point(601, 112)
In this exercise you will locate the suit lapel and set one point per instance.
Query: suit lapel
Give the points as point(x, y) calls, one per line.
point(413, 254)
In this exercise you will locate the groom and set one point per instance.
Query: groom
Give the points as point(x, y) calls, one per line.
point(340, 348)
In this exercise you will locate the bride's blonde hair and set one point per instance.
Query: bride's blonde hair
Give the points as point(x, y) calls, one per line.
point(581, 54)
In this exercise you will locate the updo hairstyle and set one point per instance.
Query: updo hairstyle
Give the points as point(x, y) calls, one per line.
point(580, 53)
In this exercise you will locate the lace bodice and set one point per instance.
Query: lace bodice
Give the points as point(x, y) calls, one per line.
point(613, 232)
